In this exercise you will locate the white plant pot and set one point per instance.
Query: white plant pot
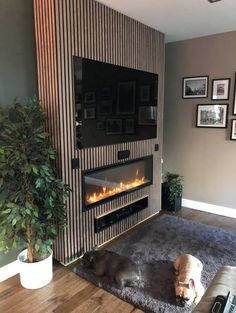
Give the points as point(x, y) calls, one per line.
point(34, 275)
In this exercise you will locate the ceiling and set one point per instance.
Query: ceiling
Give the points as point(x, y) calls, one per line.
point(180, 19)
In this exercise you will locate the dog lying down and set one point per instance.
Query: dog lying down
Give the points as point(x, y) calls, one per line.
point(188, 286)
point(117, 268)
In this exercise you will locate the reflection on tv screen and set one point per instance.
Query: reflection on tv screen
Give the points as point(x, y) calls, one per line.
point(113, 104)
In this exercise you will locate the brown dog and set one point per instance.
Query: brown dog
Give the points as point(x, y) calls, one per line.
point(118, 268)
point(188, 286)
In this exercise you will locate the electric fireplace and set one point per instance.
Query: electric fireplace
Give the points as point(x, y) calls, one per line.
point(106, 183)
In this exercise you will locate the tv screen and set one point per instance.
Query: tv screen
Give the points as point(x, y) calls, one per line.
point(113, 104)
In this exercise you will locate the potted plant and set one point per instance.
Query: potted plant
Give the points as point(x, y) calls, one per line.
point(32, 198)
point(172, 189)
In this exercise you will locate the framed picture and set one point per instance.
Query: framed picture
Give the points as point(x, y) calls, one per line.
point(89, 113)
point(195, 87)
point(234, 102)
point(147, 115)
point(105, 107)
point(113, 126)
point(129, 126)
point(212, 115)
point(220, 89)
point(145, 93)
point(126, 98)
point(89, 97)
point(233, 130)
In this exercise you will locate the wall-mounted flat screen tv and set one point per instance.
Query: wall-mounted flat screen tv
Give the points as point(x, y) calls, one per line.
point(113, 104)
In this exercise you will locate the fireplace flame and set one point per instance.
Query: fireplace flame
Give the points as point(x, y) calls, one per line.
point(107, 192)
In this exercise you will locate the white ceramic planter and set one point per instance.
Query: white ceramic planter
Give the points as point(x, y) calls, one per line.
point(34, 275)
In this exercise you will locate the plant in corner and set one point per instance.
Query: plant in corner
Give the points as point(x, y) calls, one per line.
point(172, 189)
point(32, 198)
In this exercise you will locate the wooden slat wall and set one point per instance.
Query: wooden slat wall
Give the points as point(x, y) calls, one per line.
point(89, 29)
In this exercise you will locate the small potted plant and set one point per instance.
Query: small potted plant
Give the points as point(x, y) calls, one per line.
point(172, 189)
point(32, 198)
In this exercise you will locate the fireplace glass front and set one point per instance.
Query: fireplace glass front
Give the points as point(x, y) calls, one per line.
point(105, 183)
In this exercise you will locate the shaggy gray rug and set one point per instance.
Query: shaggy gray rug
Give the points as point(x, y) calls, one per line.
point(154, 246)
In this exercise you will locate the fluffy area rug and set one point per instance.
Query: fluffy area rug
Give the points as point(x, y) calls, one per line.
point(154, 247)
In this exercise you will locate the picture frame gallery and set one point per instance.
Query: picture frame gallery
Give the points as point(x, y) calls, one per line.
point(212, 115)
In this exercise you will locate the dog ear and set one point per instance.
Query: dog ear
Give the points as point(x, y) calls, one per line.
point(191, 284)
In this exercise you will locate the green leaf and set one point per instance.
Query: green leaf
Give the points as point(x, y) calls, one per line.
point(14, 221)
point(6, 211)
point(34, 169)
point(38, 183)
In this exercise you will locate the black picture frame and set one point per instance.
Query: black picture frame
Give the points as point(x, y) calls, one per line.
point(113, 126)
point(233, 130)
point(220, 89)
point(89, 113)
point(195, 87)
point(147, 115)
point(126, 98)
point(212, 115)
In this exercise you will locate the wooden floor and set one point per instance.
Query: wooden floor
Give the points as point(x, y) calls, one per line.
point(69, 293)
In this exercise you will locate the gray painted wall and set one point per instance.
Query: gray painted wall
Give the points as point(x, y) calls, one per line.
point(18, 75)
point(205, 157)
point(17, 51)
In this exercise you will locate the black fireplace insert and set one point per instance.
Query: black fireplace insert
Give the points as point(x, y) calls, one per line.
point(106, 183)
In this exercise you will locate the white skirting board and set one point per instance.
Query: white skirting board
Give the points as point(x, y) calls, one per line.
point(9, 270)
point(210, 208)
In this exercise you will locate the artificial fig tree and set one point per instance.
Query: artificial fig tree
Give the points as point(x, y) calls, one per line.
point(32, 197)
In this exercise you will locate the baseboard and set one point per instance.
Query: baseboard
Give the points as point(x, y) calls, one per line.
point(209, 208)
point(9, 270)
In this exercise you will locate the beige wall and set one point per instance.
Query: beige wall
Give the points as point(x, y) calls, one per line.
point(205, 157)
point(17, 51)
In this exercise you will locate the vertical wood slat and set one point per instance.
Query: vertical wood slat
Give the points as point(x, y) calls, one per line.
point(89, 29)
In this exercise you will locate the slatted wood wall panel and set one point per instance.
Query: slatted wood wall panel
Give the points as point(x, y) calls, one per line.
point(89, 29)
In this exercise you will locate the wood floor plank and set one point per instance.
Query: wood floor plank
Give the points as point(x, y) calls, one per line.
point(94, 302)
point(114, 305)
point(70, 293)
point(61, 296)
point(79, 297)
point(20, 300)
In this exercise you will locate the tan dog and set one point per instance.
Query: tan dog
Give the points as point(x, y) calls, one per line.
point(188, 286)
